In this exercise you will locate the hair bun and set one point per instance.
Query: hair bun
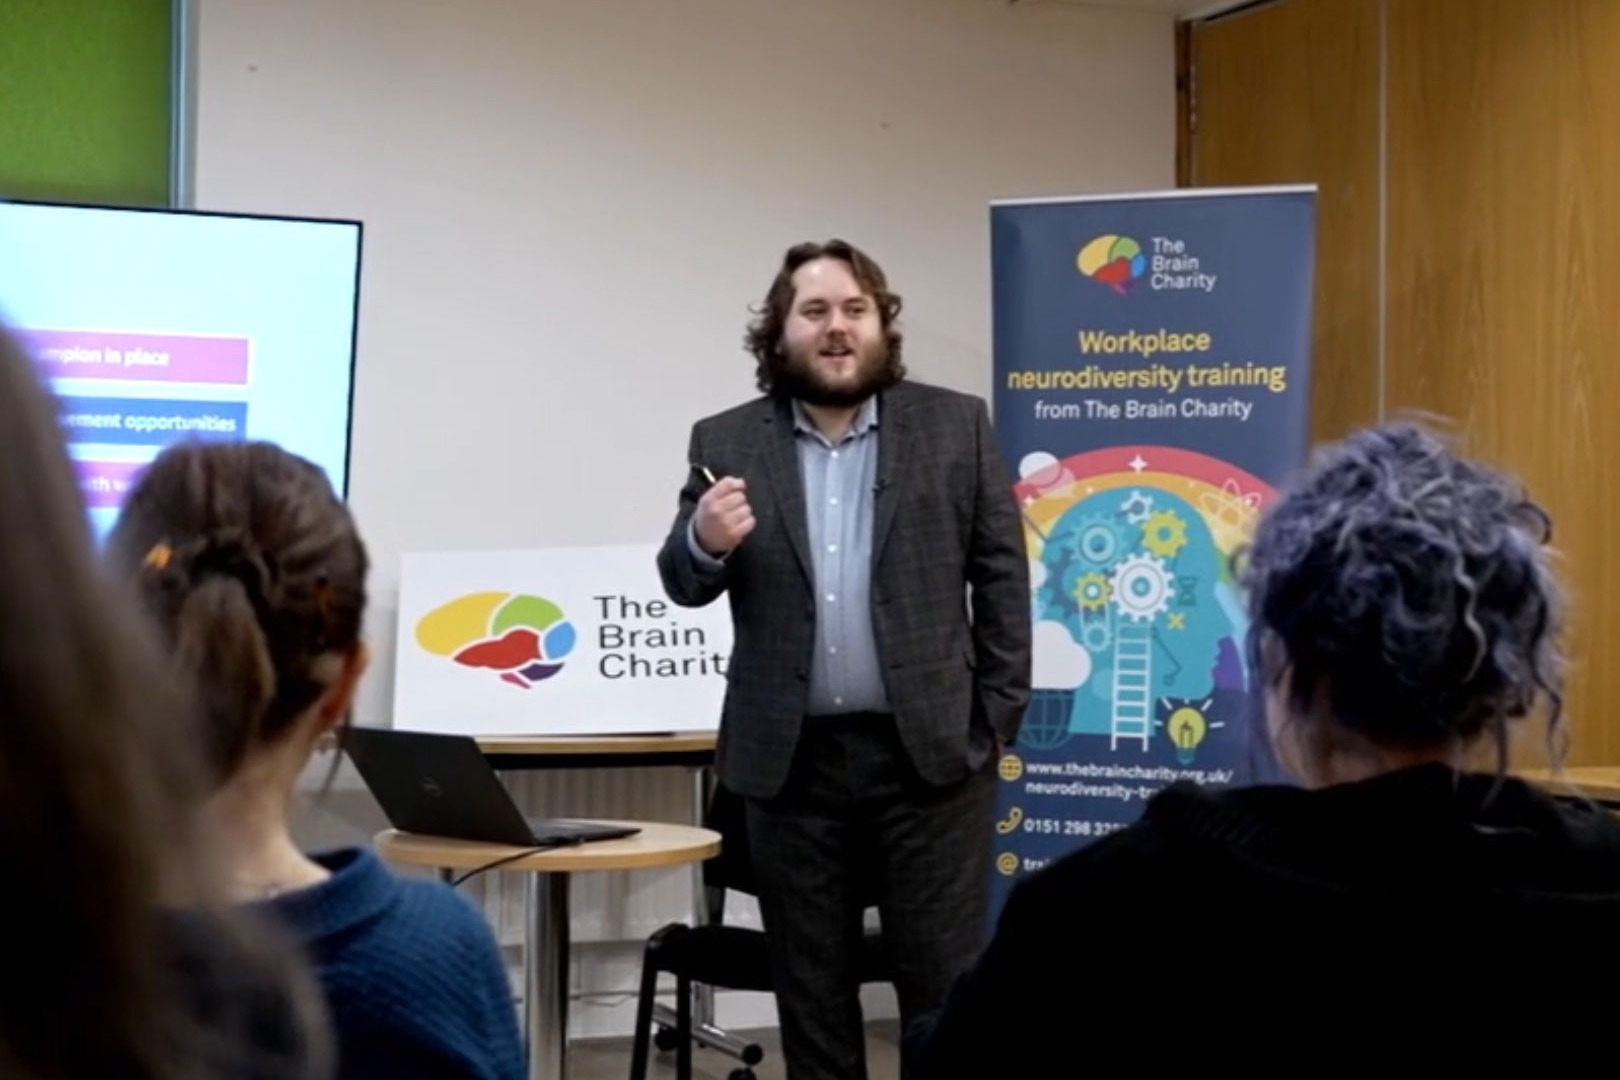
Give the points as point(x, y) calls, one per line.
point(232, 553)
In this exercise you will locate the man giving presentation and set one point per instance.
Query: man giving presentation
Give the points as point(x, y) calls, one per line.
point(865, 531)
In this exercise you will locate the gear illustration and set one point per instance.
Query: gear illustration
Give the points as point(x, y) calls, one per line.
point(1102, 539)
point(1141, 588)
point(1092, 591)
point(1096, 635)
point(1137, 507)
point(1164, 533)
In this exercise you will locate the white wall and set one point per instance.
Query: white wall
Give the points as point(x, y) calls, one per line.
point(570, 205)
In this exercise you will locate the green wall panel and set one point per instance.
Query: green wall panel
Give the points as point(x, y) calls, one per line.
point(85, 100)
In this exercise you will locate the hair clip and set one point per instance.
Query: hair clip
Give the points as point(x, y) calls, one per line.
point(323, 596)
point(158, 558)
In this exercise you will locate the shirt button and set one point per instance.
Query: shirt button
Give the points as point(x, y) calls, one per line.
point(832, 548)
point(832, 598)
point(838, 701)
point(833, 500)
point(835, 455)
point(832, 650)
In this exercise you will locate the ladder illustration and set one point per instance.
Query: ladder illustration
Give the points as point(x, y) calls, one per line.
point(1132, 715)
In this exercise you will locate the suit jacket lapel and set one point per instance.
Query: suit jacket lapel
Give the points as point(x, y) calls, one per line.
point(787, 484)
point(894, 450)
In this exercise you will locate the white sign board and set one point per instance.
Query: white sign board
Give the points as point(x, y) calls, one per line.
point(559, 641)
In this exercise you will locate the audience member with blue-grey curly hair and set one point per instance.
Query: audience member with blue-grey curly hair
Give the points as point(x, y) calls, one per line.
point(1406, 889)
point(1403, 609)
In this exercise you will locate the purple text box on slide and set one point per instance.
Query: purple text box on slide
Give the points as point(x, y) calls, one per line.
point(95, 354)
point(104, 484)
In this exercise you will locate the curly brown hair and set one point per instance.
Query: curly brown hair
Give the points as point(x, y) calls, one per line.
point(764, 337)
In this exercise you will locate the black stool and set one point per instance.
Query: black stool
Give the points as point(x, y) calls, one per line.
point(716, 955)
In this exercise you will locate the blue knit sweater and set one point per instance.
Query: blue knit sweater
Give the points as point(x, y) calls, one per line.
point(413, 976)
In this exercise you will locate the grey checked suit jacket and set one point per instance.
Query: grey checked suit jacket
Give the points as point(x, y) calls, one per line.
point(945, 526)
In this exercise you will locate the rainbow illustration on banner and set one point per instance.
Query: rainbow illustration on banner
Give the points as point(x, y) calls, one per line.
point(1138, 621)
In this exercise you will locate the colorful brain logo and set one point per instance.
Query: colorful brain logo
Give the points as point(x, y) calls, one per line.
point(1115, 261)
point(523, 638)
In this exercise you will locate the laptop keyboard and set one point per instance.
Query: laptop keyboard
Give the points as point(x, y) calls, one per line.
point(550, 831)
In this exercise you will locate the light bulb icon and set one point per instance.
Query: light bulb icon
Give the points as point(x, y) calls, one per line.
point(1187, 728)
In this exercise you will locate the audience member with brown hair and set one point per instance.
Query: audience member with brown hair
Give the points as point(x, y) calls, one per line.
point(256, 577)
point(98, 824)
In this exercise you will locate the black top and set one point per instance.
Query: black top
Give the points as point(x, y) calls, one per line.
point(1419, 910)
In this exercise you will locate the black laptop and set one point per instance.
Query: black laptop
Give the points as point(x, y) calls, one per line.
point(442, 785)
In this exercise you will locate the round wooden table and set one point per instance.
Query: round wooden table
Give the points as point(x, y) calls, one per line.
point(545, 946)
point(692, 750)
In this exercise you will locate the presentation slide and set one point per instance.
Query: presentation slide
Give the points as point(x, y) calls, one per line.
point(154, 327)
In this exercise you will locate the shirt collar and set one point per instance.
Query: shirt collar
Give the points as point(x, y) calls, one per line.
point(865, 420)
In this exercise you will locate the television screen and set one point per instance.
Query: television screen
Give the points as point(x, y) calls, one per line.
point(158, 326)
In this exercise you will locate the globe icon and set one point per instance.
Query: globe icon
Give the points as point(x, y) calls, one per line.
point(1046, 722)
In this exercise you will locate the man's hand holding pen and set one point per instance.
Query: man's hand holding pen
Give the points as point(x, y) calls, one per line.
point(723, 518)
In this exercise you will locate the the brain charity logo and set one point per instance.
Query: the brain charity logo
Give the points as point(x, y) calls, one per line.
point(1114, 261)
point(522, 638)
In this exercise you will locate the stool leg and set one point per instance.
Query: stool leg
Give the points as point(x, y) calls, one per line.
point(683, 1021)
point(644, 1008)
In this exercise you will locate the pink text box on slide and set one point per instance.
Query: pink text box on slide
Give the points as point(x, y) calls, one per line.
point(105, 484)
point(95, 354)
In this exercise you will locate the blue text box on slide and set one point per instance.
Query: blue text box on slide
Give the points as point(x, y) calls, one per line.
point(150, 421)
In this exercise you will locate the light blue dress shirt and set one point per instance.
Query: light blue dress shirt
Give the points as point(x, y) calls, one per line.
point(839, 488)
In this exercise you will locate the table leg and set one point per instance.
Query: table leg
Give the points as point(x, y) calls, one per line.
point(545, 975)
point(702, 792)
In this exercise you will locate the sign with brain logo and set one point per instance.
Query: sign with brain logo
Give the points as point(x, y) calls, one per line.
point(560, 641)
